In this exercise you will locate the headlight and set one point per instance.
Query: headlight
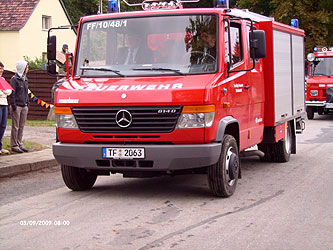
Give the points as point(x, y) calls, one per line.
point(314, 92)
point(311, 57)
point(191, 117)
point(65, 118)
point(66, 121)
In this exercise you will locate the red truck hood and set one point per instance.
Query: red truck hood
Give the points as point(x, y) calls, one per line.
point(175, 90)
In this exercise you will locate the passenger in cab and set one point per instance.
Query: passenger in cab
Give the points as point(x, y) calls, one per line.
point(135, 53)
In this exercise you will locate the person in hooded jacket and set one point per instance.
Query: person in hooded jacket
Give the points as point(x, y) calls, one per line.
point(19, 102)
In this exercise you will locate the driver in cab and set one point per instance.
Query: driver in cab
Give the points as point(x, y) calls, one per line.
point(204, 51)
point(209, 44)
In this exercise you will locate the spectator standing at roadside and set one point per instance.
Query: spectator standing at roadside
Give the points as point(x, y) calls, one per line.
point(19, 102)
point(3, 111)
point(61, 60)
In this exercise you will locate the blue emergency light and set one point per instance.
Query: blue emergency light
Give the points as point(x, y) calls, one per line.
point(315, 49)
point(222, 3)
point(112, 6)
point(294, 23)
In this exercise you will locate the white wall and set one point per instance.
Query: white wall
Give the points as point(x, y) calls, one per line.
point(31, 40)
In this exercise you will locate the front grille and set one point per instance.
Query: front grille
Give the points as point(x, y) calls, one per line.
point(161, 119)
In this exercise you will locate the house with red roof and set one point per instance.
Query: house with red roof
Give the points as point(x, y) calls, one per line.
point(24, 26)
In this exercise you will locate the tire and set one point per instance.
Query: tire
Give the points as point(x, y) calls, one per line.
point(223, 176)
point(282, 149)
point(310, 112)
point(77, 179)
point(279, 151)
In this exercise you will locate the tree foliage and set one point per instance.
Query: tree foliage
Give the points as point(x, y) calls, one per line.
point(315, 16)
point(37, 63)
point(263, 7)
point(78, 8)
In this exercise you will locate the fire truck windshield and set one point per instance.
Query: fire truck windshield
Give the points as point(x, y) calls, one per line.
point(323, 66)
point(148, 46)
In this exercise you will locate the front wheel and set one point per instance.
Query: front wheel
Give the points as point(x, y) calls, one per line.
point(77, 179)
point(223, 176)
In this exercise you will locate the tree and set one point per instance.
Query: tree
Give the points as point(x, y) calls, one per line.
point(78, 8)
point(263, 7)
point(313, 17)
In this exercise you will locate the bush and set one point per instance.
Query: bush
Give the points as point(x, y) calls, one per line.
point(38, 63)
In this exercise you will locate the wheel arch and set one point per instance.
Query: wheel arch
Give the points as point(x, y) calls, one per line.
point(228, 125)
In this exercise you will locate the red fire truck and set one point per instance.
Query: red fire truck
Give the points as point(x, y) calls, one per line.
point(319, 83)
point(172, 91)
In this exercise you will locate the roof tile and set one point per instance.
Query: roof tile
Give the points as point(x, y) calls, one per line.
point(15, 13)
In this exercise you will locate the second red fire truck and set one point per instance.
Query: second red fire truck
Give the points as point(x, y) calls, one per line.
point(319, 84)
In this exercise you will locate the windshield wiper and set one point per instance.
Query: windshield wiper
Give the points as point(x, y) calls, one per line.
point(102, 69)
point(177, 71)
point(320, 74)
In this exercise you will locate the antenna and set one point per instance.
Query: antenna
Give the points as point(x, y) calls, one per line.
point(100, 9)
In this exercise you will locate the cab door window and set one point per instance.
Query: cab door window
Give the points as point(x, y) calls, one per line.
point(233, 43)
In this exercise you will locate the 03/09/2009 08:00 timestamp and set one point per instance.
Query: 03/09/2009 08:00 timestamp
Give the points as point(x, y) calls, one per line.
point(45, 223)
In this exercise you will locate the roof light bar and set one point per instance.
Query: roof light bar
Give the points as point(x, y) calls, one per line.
point(323, 49)
point(151, 5)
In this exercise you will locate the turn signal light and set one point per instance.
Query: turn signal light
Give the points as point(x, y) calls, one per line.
point(199, 109)
point(62, 110)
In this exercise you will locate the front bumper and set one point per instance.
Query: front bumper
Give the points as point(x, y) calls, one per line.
point(321, 104)
point(157, 157)
point(315, 103)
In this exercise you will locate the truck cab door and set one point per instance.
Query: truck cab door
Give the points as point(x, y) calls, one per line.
point(255, 91)
point(238, 82)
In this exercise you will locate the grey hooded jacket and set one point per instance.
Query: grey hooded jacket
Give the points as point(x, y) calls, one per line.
point(19, 82)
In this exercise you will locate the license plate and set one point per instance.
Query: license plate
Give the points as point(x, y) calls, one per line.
point(124, 153)
point(329, 105)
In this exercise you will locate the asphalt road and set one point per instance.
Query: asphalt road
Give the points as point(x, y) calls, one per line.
point(276, 206)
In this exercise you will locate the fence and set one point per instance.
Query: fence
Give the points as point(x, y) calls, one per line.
point(40, 84)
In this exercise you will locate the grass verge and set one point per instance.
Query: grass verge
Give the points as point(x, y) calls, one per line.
point(31, 146)
point(35, 123)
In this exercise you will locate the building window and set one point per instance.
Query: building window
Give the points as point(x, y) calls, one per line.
point(46, 22)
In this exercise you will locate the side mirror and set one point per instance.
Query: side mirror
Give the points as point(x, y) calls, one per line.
point(51, 48)
point(258, 44)
point(52, 67)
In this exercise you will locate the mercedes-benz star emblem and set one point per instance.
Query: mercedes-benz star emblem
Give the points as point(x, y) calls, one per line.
point(123, 118)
